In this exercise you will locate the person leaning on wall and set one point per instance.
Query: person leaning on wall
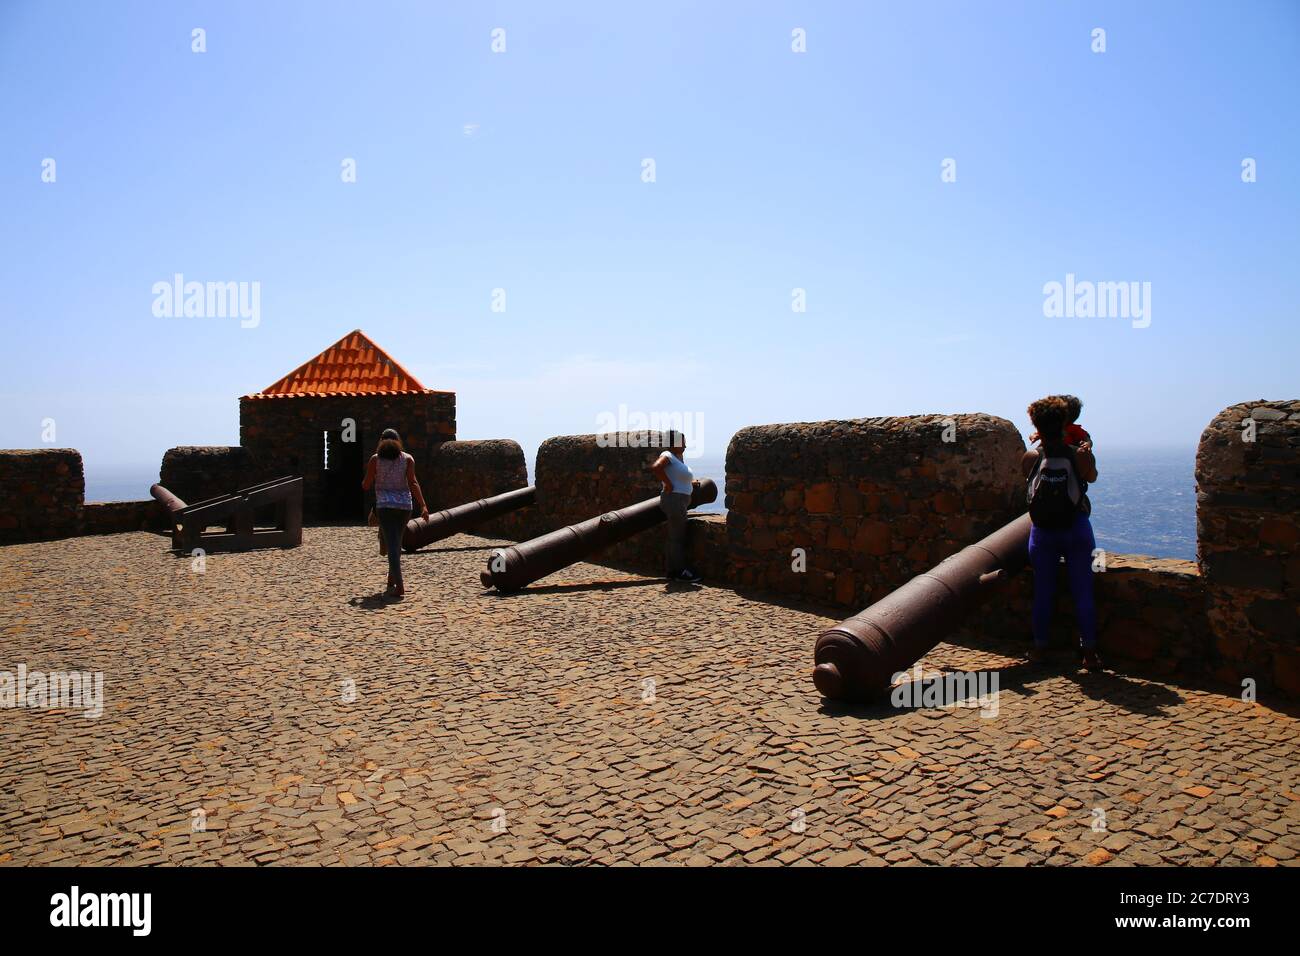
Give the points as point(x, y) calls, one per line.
point(675, 501)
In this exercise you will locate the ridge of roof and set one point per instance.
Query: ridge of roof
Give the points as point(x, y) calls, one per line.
point(354, 365)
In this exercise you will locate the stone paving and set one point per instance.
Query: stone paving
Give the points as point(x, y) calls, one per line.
point(272, 710)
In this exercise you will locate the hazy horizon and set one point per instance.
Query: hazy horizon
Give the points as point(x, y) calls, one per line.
point(530, 456)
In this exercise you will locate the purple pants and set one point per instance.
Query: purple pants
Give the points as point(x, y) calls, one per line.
point(1046, 548)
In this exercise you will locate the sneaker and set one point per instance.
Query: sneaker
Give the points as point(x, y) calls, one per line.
point(1092, 660)
point(688, 576)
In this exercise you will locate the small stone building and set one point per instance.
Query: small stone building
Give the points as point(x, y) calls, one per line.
point(323, 420)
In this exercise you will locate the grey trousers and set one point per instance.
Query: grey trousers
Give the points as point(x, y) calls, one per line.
point(675, 507)
point(392, 522)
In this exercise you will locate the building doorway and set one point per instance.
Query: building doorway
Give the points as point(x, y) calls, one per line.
point(343, 468)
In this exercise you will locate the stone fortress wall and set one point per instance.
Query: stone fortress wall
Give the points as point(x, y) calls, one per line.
point(42, 493)
point(869, 503)
point(465, 471)
point(843, 512)
point(195, 473)
point(1248, 538)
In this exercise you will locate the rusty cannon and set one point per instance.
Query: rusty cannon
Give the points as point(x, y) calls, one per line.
point(858, 658)
point(517, 566)
point(167, 500)
point(443, 524)
point(237, 514)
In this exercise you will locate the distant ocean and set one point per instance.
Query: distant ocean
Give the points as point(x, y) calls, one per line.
point(119, 482)
point(1143, 503)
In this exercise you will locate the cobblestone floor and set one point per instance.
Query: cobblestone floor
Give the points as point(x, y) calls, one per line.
point(526, 729)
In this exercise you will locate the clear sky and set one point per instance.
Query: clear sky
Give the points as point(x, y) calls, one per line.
point(523, 170)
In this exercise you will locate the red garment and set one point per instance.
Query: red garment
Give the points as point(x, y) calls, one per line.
point(1075, 435)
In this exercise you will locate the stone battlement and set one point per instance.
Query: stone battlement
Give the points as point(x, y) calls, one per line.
point(841, 512)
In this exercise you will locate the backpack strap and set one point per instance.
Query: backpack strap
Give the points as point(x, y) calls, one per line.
point(1085, 503)
point(1033, 472)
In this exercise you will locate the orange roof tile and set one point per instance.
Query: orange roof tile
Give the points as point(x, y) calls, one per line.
point(354, 365)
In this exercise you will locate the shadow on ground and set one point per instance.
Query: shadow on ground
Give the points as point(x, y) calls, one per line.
point(373, 602)
point(1135, 696)
point(592, 586)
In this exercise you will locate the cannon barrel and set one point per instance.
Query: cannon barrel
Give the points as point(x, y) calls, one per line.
point(857, 659)
point(166, 499)
point(512, 568)
point(443, 524)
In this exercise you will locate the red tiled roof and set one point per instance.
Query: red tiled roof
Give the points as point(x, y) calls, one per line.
point(353, 365)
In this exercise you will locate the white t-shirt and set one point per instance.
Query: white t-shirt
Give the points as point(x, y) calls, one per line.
point(678, 474)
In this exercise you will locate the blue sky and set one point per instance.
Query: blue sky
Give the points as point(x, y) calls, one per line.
point(522, 170)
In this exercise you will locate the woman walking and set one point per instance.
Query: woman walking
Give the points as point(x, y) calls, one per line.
point(1058, 476)
point(391, 472)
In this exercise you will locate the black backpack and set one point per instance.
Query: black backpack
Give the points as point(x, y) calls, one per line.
point(1056, 493)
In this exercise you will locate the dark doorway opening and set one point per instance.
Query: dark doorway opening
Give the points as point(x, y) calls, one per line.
point(344, 467)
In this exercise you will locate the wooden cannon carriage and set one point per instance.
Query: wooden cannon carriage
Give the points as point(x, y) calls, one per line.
point(236, 515)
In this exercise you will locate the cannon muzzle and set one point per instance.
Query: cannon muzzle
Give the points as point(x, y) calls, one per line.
point(512, 568)
point(443, 524)
point(857, 659)
point(166, 499)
